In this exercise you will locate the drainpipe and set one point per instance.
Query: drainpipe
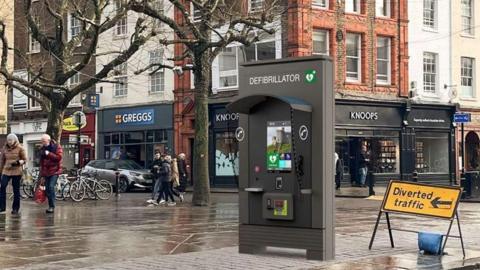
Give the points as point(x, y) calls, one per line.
point(450, 22)
point(399, 50)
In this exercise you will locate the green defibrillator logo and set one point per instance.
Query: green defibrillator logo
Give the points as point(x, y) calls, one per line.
point(311, 76)
point(273, 160)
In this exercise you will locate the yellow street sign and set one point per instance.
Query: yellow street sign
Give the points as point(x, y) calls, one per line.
point(68, 124)
point(421, 199)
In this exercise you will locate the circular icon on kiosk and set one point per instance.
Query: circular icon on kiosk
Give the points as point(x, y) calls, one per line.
point(240, 134)
point(303, 132)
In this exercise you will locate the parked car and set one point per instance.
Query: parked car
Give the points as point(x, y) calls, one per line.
point(131, 173)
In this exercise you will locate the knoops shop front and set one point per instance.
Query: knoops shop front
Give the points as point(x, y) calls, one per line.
point(401, 138)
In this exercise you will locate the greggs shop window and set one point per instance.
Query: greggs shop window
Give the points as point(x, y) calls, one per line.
point(139, 146)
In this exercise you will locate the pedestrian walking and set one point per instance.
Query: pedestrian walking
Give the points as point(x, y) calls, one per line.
point(182, 171)
point(165, 174)
point(363, 165)
point(155, 170)
point(50, 168)
point(11, 168)
point(175, 181)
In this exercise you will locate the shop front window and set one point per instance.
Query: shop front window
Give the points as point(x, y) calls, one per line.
point(139, 146)
point(432, 152)
point(226, 154)
point(133, 137)
point(383, 148)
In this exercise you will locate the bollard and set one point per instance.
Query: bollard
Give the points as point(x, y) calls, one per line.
point(371, 184)
point(466, 184)
point(117, 183)
point(415, 176)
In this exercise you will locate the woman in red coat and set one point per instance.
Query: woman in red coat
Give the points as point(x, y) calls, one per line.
point(50, 168)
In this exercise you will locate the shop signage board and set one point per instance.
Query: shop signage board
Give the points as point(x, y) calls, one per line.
point(69, 125)
point(421, 199)
point(461, 117)
point(135, 117)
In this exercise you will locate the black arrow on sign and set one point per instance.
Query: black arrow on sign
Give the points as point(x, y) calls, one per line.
point(436, 202)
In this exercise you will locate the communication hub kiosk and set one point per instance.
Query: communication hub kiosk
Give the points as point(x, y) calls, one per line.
point(286, 137)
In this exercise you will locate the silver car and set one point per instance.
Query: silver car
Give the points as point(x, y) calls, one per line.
point(131, 173)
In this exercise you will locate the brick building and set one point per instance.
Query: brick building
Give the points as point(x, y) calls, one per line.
point(368, 42)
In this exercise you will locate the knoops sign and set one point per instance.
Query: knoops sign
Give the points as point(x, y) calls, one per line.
point(364, 115)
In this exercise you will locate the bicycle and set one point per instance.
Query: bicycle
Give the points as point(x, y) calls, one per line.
point(31, 183)
point(62, 182)
point(90, 186)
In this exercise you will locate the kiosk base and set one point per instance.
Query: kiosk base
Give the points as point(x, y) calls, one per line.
point(254, 239)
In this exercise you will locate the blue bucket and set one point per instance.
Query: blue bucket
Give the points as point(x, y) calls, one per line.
point(430, 243)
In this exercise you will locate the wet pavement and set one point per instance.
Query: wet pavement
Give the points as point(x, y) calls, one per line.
point(126, 234)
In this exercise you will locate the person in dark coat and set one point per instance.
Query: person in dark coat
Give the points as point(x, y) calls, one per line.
point(183, 173)
point(165, 175)
point(51, 155)
point(155, 169)
point(364, 162)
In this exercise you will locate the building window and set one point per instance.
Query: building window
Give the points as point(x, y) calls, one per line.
point(384, 148)
point(121, 27)
point(263, 50)
point(75, 26)
point(226, 154)
point(120, 88)
point(352, 6)
point(467, 17)
point(157, 82)
point(229, 58)
point(432, 152)
point(429, 72)
point(383, 60)
point(34, 104)
point(354, 52)
point(158, 6)
point(320, 3)
point(429, 14)
point(227, 61)
point(73, 82)
point(467, 77)
point(256, 5)
point(33, 44)
point(195, 12)
point(320, 42)
point(382, 8)
point(157, 79)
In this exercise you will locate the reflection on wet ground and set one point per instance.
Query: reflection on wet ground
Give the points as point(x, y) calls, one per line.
point(96, 232)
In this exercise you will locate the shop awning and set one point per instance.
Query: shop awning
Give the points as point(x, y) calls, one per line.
point(245, 104)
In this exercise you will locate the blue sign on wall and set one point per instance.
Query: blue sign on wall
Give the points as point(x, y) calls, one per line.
point(135, 117)
point(93, 100)
point(462, 117)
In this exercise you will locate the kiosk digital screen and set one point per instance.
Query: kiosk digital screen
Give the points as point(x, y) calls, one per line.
point(279, 146)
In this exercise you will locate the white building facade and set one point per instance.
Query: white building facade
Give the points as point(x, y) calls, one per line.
point(135, 114)
point(430, 50)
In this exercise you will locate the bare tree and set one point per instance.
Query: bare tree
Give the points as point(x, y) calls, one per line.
point(65, 55)
point(204, 28)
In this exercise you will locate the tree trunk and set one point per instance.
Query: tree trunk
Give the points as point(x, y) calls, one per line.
point(55, 121)
point(201, 186)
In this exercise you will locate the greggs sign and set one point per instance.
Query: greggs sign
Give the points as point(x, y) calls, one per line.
point(135, 117)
